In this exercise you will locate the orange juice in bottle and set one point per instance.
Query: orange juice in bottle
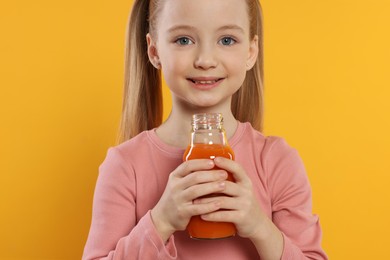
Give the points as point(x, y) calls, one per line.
point(208, 141)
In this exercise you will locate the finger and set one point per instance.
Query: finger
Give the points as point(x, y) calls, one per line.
point(204, 177)
point(228, 189)
point(221, 215)
point(232, 190)
point(203, 189)
point(235, 189)
point(231, 210)
point(204, 208)
point(233, 167)
point(225, 202)
point(192, 165)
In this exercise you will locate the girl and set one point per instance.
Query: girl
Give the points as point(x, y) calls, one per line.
point(210, 53)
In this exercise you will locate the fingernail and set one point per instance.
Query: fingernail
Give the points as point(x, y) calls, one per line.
point(222, 184)
point(223, 174)
point(218, 159)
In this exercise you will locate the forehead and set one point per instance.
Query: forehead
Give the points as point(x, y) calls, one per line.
point(203, 14)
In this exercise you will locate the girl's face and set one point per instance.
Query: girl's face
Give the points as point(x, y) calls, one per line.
point(204, 50)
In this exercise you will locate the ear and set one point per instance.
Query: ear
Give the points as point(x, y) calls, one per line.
point(152, 52)
point(253, 53)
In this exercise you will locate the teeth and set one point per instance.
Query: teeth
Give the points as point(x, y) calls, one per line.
point(205, 82)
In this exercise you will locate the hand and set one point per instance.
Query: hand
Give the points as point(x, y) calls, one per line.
point(240, 206)
point(191, 180)
point(242, 209)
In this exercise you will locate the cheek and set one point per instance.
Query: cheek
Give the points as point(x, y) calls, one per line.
point(238, 69)
point(238, 66)
point(174, 64)
point(237, 59)
point(173, 71)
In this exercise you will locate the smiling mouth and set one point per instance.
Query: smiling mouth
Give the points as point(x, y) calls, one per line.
point(205, 82)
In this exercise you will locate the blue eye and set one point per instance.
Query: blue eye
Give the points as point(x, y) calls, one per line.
point(227, 41)
point(184, 41)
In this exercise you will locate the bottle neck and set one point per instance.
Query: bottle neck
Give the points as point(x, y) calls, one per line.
point(207, 121)
point(208, 129)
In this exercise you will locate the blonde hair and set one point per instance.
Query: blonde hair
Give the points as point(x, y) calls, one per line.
point(142, 98)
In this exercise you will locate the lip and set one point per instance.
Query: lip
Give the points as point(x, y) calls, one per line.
point(205, 83)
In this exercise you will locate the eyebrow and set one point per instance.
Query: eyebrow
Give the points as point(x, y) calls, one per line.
point(180, 27)
point(231, 27)
point(223, 28)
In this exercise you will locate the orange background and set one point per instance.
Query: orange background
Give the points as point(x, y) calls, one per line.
point(61, 65)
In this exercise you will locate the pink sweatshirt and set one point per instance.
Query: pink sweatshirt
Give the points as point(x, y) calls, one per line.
point(134, 175)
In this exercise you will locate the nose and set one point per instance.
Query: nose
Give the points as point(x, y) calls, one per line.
point(206, 58)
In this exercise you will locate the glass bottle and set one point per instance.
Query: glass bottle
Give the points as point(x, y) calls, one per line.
point(208, 141)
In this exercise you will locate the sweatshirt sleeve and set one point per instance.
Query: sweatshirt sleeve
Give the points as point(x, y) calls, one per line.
point(115, 232)
point(292, 202)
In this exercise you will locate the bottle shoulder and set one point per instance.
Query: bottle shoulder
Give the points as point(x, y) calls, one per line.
point(208, 151)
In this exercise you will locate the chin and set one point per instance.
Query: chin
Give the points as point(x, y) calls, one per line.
point(203, 101)
point(209, 105)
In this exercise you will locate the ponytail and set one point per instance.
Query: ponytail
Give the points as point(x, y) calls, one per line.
point(247, 103)
point(142, 96)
